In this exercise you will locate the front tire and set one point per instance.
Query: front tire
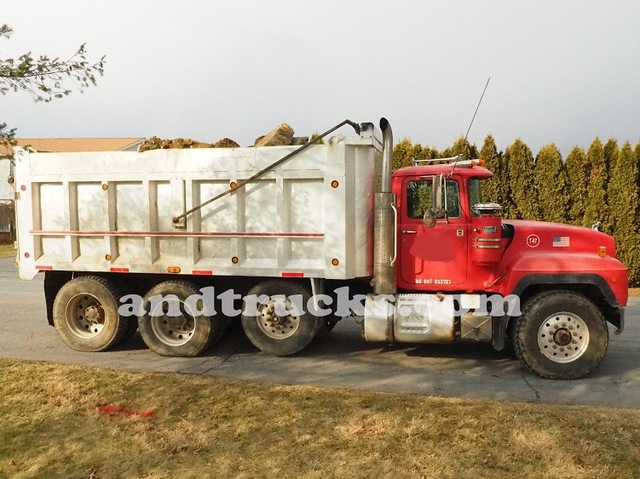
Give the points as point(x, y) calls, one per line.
point(85, 314)
point(561, 335)
point(280, 325)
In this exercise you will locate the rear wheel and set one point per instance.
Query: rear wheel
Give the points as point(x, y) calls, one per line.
point(278, 324)
point(85, 314)
point(561, 335)
point(175, 326)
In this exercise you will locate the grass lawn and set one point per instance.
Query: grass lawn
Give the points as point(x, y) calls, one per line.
point(51, 425)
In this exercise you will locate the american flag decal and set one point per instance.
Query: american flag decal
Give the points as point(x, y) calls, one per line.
point(561, 242)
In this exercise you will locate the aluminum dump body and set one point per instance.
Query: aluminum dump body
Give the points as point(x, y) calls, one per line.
point(310, 216)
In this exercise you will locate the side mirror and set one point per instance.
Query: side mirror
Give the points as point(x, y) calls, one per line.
point(429, 219)
point(437, 195)
point(437, 209)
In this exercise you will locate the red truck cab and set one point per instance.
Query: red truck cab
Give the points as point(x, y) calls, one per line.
point(469, 248)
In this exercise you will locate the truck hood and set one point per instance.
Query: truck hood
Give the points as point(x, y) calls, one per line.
point(538, 236)
point(538, 248)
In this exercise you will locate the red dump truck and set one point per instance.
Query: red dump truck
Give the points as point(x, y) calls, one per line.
point(289, 240)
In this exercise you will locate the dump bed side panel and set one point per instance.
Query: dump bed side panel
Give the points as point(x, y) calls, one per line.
point(112, 211)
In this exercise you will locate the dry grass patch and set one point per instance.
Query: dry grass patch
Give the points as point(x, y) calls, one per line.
point(218, 428)
point(7, 251)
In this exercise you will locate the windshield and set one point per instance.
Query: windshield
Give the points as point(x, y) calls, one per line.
point(475, 195)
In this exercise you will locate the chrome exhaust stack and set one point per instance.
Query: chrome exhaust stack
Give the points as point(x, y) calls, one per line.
point(385, 222)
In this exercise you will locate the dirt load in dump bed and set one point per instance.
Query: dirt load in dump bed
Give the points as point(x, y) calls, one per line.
point(281, 135)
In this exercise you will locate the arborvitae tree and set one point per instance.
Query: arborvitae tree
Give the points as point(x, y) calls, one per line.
point(463, 147)
point(596, 207)
point(489, 153)
point(611, 152)
point(552, 184)
point(578, 174)
point(624, 204)
point(610, 155)
point(495, 189)
point(404, 153)
point(520, 166)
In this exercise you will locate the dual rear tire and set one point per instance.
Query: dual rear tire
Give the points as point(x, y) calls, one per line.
point(278, 321)
point(174, 324)
point(86, 317)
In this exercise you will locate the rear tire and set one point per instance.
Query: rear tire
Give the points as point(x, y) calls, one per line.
point(561, 335)
point(275, 333)
point(170, 327)
point(85, 314)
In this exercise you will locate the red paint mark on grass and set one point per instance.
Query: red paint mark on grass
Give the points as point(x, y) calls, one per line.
point(111, 409)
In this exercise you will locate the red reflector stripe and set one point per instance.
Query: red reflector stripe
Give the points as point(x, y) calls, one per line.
point(119, 270)
point(292, 275)
point(44, 268)
point(202, 272)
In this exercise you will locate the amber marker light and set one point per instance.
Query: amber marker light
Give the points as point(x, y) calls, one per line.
point(233, 185)
point(174, 269)
point(335, 184)
point(107, 257)
point(234, 260)
point(602, 251)
point(105, 186)
point(27, 255)
point(477, 162)
point(335, 261)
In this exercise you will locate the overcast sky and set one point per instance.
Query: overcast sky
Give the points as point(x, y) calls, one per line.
point(562, 71)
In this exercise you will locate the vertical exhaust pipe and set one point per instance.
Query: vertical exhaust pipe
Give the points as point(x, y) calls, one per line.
point(387, 155)
point(384, 227)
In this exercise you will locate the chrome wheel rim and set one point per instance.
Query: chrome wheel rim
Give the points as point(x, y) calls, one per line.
point(172, 322)
point(563, 337)
point(85, 315)
point(278, 318)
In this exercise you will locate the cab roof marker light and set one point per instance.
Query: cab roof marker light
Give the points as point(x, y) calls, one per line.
point(466, 163)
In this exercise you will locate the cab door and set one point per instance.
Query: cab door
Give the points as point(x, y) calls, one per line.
point(432, 257)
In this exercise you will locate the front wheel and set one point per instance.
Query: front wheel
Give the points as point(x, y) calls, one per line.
point(561, 335)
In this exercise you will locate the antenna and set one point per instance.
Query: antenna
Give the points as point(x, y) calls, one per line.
point(477, 107)
point(472, 120)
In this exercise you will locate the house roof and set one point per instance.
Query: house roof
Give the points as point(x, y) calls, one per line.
point(56, 145)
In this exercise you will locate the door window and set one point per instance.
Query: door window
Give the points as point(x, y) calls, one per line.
point(419, 198)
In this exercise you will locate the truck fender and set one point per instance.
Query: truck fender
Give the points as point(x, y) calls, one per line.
point(590, 279)
point(570, 281)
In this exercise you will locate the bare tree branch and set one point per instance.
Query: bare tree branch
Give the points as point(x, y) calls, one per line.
point(43, 78)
